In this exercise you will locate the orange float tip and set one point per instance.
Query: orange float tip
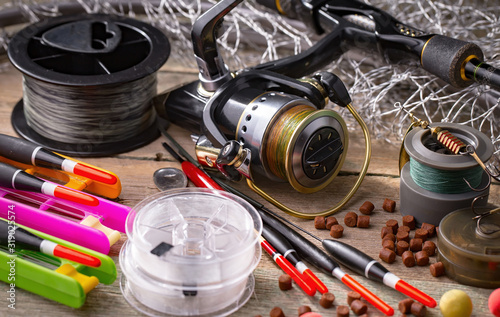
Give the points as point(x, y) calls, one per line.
point(76, 256)
point(75, 196)
point(295, 275)
point(369, 296)
point(415, 293)
point(95, 174)
point(317, 282)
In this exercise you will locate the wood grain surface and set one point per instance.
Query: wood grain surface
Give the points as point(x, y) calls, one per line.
point(135, 169)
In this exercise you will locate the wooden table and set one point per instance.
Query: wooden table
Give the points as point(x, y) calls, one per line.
point(135, 169)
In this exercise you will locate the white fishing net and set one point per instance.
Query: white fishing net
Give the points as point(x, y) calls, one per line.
point(253, 34)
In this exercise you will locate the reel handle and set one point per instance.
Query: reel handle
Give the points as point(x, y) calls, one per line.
point(234, 161)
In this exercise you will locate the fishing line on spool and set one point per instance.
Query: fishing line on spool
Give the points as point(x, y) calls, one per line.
point(440, 176)
point(88, 92)
point(102, 113)
point(280, 136)
point(444, 181)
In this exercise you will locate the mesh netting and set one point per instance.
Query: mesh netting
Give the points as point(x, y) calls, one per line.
point(253, 35)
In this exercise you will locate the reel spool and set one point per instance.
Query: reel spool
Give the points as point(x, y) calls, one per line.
point(469, 246)
point(190, 252)
point(88, 83)
point(432, 182)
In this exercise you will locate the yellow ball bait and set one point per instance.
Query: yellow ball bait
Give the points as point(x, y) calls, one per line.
point(455, 303)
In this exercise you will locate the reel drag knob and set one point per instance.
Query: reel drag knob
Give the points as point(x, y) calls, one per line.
point(322, 153)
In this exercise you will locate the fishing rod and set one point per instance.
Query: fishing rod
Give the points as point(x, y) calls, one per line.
point(349, 24)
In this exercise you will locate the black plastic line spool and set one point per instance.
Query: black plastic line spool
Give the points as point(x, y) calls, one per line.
point(93, 53)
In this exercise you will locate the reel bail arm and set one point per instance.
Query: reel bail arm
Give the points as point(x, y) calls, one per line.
point(335, 88)
point(337, 92)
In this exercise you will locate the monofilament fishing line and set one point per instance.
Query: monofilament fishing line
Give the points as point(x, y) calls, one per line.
point(109, 113)
point(88, 82)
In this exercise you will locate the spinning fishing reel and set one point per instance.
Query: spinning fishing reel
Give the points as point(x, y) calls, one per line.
point(261, 124)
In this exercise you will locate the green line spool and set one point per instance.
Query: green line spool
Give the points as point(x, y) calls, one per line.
point(432, 183)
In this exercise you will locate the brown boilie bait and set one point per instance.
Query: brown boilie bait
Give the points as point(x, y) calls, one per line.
point(388, 244)
point(422, 258)
point(418, 309)
point(389, 205)
point(389, 236)
point(326, 300)
point(421, 234)
point(363, 221)
point(352, 296)
point(384, 231)
point(387, 255)
point(408, 259)
point(351, 219)
point(405, 305)
point(366, 208)
point(304, 309)
point(342, 311)
point(319, 222)
point(437, 269)
point(409, 221)
point(416, 245)
point(285, 282)
point(358, 307)
point(276, 312)
point(401, 247)
point(403, 236)
point(431, 229)
point(393, 224)
point(429, 247)
point(404, 228)
point(330, 221)
point(337, 231)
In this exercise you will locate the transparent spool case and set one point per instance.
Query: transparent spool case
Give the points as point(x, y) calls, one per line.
point(213, 240)
point(469, 256)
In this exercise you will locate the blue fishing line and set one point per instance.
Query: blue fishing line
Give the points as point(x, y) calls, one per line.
point(445, 181)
